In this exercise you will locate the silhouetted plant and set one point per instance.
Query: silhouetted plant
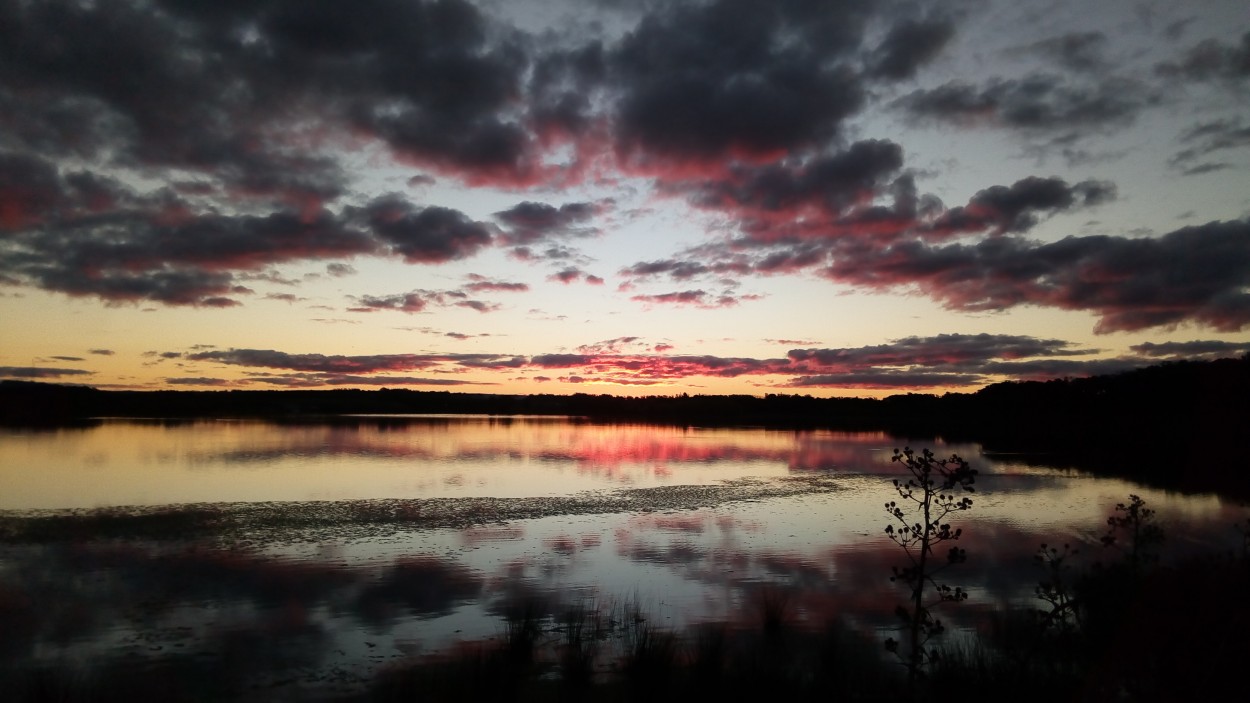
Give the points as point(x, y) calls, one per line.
point(1055, 589)
point(1132, 529)
point(583, 629)
point(931, 490)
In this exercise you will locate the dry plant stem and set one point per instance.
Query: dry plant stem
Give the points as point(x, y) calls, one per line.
point(932, 489)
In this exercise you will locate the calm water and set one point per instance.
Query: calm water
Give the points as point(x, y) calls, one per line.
point(331, 610)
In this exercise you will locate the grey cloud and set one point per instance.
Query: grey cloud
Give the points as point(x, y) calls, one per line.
point(1036, 102)
point(908, 46)
point(700, 80)
point(425, 234)
point(1196, 274)
point(40, 372)
point(1212, 60)
point(528, 221)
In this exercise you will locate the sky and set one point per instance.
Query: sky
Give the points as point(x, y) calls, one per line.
point(645, 197)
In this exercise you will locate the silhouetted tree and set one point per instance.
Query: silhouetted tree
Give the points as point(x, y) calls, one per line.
point(921, 528)
point(1132, 529)
point(1056, 590)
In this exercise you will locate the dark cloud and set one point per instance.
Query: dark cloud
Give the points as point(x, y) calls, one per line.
point(611, 346)
point(82, 234)
point(814, 224)
point(478, 305)
point(1197, 349)
point(268, 358)
point(1014, 208)
point(1197, 274)
point(1076, 51)
point(563, 85)
point(696, 298)
point(679, 270)
point(528, 222)
point(940, 350)
point(198, 381)
point(573, 274)
point(1211, 60)
point(886, 379)
point(425, 234)
point(1046, 369)
point(420, 300)
point(479, 283)
point(341, 367)
point(700, 81)
point(1206, 139)
point(403, 302)
point(909, 45)
point(828, 183)
point(948, 360)
point(40, 372)
point(331, 379)
point(1037, 102)
point(101, 352)
point(559, 361)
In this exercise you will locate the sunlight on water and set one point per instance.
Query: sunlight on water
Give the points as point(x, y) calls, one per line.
point(154, 463)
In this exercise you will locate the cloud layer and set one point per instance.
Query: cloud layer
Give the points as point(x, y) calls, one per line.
point(173, 153)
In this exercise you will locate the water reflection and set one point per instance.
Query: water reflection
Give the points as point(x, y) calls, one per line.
point(328, 614)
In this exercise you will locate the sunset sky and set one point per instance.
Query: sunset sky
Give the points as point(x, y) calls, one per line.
point(614, 196)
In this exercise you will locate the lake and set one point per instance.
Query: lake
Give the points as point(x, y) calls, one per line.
point(336, 549)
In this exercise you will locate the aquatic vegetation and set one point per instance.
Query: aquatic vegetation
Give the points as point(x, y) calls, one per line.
point(931, 494)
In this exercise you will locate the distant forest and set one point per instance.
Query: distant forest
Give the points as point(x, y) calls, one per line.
point(1178, 424)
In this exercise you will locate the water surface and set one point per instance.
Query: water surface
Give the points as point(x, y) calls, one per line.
point(477, 515)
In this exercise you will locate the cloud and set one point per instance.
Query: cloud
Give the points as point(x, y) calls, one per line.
point(421, 300)
point(268, 358)
point(322, 369)
point(103, 239)
point(807, 237)
point(1037, 102)
point(1197, 349)
point(573, 274)
point(1082, 52)
point(332, 379)
point(198, 381)
point(528, 222)
point(403, 302)
point(425, 235)
point(479, 283)
point(827, 184)
point(40, 372)
point(1196, 274)
point(478, 305)
point(702, 81)
point(940, 350)
point(611, 346)
point(1208, 138)
point(946, 360)
point(696, 298)
point(1002, 209)
point(887, 379)
point(101, 352)
point(909, 45)
point(1211, 60)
